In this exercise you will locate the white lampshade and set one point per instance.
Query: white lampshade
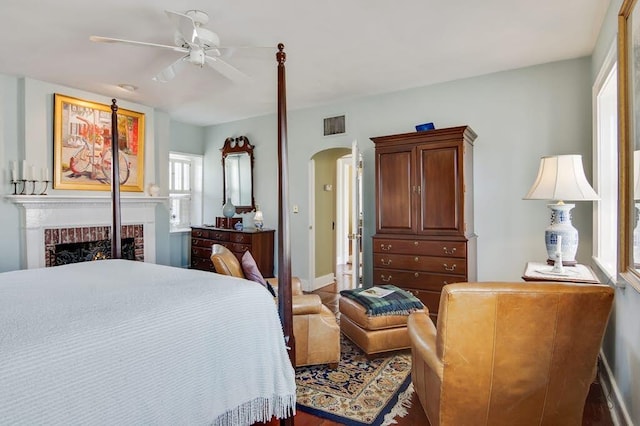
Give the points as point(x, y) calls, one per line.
point(258, 215)
point(561, 177)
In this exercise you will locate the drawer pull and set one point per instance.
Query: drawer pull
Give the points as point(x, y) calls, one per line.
point(385, 262)
point(415, 243)
point(415, 274)
point(385, 247)
point(416, 259)
point(449, 268)
point(385, 279)
point(218, 236)
point(447, 251)
point(445, 282)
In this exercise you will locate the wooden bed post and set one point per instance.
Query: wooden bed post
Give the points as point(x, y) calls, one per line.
point(116, 242)
point(284, 244)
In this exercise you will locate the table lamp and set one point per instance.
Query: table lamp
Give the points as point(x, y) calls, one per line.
point(561, 177)
point(258, 220)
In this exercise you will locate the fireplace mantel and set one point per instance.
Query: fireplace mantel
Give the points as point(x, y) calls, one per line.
point(64, 211)
point(55, 201)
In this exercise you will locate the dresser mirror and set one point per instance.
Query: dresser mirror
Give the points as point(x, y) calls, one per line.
point(629, 143)
point(237, 166)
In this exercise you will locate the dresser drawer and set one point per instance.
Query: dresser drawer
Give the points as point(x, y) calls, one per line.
point(201, 252)
point(420, 247)
point(200, 233)
point(414, 279)
point(236, 237)
point(239, 248)
point(219, 235)
point(202, 264)
point(199, 242)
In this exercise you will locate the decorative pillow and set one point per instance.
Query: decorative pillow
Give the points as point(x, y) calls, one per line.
point(251, 272)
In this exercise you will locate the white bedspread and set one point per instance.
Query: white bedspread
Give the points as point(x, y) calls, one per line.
point(117, 342)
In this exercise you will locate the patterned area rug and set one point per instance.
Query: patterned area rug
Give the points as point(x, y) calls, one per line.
point(359, 391)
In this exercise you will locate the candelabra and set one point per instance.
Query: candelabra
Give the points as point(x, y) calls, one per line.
point(23, 190)
point(24, 187)
point(46, 185)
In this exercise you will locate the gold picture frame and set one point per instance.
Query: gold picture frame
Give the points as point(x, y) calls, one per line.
point(82, 146)
point(629, 137)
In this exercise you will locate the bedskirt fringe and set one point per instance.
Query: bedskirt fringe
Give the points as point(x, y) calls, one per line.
point(259, 410)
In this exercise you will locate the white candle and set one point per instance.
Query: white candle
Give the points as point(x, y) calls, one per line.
point(33, 173)
point(24, 169)
point(45, 173)
point(14, 171)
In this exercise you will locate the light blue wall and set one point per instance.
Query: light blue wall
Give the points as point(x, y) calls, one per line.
point(10, 100)
point(189, 139)
point(621, 346)
point(519, 116)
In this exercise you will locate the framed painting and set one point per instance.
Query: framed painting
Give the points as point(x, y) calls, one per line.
point(629, 142)
point(82, 146)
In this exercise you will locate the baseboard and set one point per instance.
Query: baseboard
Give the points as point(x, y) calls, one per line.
point(619, 413)
point(321, 282)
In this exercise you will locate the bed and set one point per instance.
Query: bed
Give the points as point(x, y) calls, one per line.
point(131, 343)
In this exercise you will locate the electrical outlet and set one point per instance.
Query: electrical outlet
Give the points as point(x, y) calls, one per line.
point(295, 208)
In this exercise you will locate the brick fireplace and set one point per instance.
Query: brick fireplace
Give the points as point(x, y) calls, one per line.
point(92, 237)
point(56, 219)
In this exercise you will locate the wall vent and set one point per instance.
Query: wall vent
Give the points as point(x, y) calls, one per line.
point(334, 125)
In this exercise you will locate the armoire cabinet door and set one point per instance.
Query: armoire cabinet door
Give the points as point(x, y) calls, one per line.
point(440, 189)
point(395, 185)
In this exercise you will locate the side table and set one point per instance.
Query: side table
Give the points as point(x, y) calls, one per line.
point(538, 271)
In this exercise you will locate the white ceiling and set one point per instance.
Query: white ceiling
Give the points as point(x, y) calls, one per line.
point(336, 49)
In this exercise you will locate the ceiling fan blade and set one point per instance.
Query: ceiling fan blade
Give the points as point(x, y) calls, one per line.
point(137, 43)
point(184, 24)
point(225, 69)
point(170, 72)
point(228, 51)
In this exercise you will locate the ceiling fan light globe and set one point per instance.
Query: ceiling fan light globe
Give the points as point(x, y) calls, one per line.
point(196, 56)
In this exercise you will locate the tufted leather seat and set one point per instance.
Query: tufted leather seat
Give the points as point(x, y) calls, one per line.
point(373, 334)
point(509, 353)
point(315, 329)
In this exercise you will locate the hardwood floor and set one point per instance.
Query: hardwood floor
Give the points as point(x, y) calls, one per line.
point(596, 411)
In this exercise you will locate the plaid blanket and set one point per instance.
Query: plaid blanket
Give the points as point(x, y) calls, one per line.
point(398, 302)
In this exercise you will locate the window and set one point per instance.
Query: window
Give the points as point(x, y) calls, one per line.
point(185, 190)
point(606, 168)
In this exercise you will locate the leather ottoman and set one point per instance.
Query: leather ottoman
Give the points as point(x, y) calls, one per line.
point(373, 334)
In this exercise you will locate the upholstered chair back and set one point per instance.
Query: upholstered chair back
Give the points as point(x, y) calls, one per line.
point(225, 261)
point(509, 353)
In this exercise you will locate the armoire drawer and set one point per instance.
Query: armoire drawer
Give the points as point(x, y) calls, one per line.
point(415, 279)
point(449, 265)
point(430, 299)
point(420, 247)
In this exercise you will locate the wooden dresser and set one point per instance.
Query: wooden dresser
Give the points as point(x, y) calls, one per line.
point(424, 212)
point(259, 243)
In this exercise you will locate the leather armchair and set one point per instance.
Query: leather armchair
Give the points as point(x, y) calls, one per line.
point(315, 329)
point(509, 353)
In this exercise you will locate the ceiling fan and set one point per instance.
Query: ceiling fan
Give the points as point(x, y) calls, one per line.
point(199, 45)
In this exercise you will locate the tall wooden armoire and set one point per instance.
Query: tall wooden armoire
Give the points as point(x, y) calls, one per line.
point(424, 212)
